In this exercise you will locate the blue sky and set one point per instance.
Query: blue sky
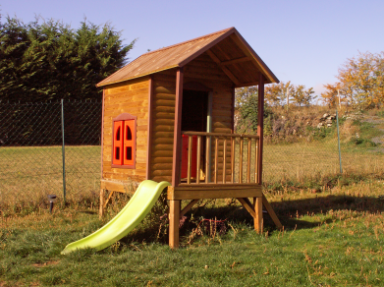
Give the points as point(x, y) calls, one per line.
point(302, 41)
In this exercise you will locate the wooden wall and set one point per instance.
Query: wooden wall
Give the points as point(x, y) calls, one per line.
point(163, 118)
point(205, 71)
point(129, 97)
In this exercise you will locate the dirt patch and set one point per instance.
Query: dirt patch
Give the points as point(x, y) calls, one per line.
point(45, 264)
point(13, 284)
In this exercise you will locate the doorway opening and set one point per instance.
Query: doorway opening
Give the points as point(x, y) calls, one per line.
point(194, 118)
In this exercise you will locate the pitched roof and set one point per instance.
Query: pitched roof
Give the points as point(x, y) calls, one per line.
point(227, 48)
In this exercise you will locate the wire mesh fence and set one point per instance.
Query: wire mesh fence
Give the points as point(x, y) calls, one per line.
point(32, 154)
point(315, 152)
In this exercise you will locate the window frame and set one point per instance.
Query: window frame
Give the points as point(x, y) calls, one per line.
point(124, 117)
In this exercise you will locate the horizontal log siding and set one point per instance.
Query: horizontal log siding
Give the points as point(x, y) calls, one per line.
point(163, 125)
point(129, 97)
point(205, 71)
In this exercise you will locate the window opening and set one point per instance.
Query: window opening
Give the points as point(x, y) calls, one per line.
point(128, 153)
point(129, 133)
point(118, 134)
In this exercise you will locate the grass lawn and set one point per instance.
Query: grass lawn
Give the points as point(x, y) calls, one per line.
point(333, 238)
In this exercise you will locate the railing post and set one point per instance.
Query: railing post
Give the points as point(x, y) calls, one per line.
point(249, 161)
point(241, 161)
point(233, 141)
point(207, 159)
point(224, 159)
point(198, 159)
point(216, 158)
point(189, 159)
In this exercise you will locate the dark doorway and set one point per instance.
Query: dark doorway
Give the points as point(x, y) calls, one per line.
point(194, 114)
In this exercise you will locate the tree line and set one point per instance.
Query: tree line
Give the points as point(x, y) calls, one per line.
point(361, 83)
point(283, 94)
point(52, 61)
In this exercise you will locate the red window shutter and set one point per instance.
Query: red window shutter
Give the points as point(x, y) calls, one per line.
point(129, 142)
point(118, 136)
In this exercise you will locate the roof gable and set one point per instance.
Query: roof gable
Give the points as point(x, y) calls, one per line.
point(227, 48)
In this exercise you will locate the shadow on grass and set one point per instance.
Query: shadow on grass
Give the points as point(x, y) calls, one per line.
point(289, 213)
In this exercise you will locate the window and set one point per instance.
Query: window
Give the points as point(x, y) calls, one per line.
point(123, 141)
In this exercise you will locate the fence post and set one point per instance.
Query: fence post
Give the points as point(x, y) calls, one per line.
point(63, 147)
point(338, 140)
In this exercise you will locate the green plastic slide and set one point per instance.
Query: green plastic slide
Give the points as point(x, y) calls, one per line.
point(128, 218)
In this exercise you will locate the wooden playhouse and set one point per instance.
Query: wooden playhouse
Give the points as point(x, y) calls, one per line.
point(169, 116)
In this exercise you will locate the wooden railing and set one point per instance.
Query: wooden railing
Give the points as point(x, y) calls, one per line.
point(229, 158)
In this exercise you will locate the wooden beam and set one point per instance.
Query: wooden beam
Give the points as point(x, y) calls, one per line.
point(181, 193)
point(246, 204)
point(211, 185)
point(101, 207)
point(260, 127)
point(174, 220)
point(150, 126)
point(115, 186)
point(247, 84)
point(257, 61)
point(102, 134)
point(258, 219)
point(225, 69)
point(188, 207)
point(235, 61)
point(271, 213)
point(108, 199)
point(176, 165)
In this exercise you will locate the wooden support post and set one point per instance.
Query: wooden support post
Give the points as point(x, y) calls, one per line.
point(174, 220)
point(150, 126)
point(246, 204)
point(258, 219)
point(108, 199)
point(258, 204)
point(271, 213)
point(260, 125)
point(101, 208)
point(176, 164)
point(188, 207)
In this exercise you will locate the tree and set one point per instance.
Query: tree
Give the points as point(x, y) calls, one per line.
point(303, 97)
point(13, 43)
point(276, 94)
point(362, 80)
point(244, 94)
point(51, 61)
point(249, 114)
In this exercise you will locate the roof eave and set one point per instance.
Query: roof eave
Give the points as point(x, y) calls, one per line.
point(101, 84)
